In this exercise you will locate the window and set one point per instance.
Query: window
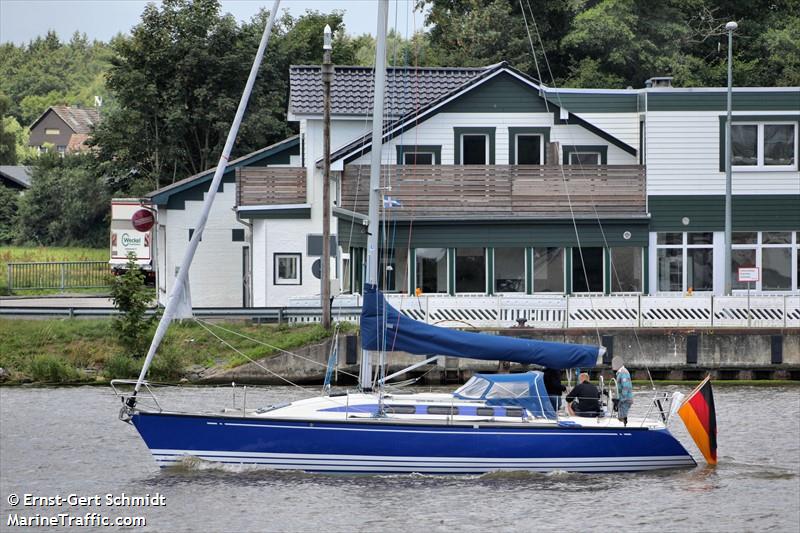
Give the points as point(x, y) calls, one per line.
point(61, 149)
point(529, 149)
point(431, 269)
point(587, 269)
point(392, 269)
point(473, 146)
point(346, 286)
point(685, 261)
point(237, 235)
point(474, 149)
point(401, 409)
point(774, 253)
point(415, 154)
point(442, 410)
point(470, 270)
point(287, 270)
point(764, 146)
point(584, 158)
point(548, 270)
point(509, 270)
point(52, 131)
point(418, 158)
point(626, 269)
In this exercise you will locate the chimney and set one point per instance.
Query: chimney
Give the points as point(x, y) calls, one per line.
point(659, 82)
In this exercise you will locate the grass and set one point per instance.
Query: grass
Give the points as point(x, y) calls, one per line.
point(76, 350)
point(45, 254)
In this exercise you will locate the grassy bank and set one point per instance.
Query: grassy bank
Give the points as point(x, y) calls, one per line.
point(43, 254)
point(77, 351)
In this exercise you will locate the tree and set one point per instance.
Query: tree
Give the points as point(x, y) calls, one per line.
point(177, 82)
point(67, 204)
point(132, 299)
point(9, 199)
point(8, 140)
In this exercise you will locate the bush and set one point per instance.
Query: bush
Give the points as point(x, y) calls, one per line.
point(121, 367)
point(168, 365)
point(132, 299)
point(52, 369)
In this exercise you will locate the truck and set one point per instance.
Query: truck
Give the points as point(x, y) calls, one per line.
point(132, 222)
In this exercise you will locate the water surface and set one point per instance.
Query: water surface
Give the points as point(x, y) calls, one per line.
point(68, 440)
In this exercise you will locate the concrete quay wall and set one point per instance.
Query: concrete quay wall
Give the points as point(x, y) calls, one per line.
point(666, 353)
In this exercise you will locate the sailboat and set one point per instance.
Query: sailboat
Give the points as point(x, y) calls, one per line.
point(491, 423)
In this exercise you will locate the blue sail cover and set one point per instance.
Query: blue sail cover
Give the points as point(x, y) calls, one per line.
point(405, 334)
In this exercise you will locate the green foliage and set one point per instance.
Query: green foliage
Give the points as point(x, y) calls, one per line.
point(67, 203)
point(52, 369)
point(8, 140)
point(132, 299)
point(617, 43)
point(121, 366)
point(168, 365)
point(9, 204)
point(47, 72)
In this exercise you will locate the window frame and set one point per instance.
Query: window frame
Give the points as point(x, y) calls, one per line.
point(564, 274)
point(418, 153)
point(458, 143)
point(435, 149)
point(298, 280)
point(516, 147)
point(598, 154)
point(760, 121)
point(685, 247)
point(794, 257)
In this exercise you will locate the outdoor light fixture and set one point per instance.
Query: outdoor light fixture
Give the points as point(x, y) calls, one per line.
point(326, 40)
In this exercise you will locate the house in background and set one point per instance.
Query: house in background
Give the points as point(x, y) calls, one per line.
point(503, 186)
point(66, 128)
point(15, 176)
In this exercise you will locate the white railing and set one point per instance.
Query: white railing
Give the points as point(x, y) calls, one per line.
point(558, 312)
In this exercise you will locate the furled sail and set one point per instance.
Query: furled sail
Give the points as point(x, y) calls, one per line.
point(384, 328)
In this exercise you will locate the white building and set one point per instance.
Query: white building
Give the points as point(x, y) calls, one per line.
point(500, 185)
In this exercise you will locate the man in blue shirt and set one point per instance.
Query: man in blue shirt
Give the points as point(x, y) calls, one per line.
point(624, 389)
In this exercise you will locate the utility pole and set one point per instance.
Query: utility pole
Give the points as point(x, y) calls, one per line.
point(730, 27)
point(327, 78)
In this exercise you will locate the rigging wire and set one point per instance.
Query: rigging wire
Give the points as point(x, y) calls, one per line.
point(594, 207)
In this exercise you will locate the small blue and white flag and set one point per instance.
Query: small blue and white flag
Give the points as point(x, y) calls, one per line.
point(389, 202)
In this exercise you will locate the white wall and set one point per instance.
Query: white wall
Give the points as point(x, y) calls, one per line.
point(683, 158)
point(216, 274)
point(438, 130)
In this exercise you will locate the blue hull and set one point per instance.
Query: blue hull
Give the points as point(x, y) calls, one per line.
point(369, 446)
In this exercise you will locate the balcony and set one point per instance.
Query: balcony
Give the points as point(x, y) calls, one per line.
point(524, 191)
point(270, 186)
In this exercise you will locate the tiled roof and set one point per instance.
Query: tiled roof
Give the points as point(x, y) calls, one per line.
point(351, 91)
point(80, 119)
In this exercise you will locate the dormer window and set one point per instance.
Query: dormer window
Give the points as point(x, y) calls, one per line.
point(52, 131)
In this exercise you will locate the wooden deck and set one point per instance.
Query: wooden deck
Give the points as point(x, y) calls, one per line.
point(465, 191)
point(270, 186)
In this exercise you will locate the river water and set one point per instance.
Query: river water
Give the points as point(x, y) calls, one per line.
point(66, 441)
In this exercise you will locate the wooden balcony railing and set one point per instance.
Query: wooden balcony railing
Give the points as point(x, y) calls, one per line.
point(445, 191)
point(270, 186)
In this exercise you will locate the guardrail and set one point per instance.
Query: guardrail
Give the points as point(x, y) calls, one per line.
point(560, 312)
point(59, 275)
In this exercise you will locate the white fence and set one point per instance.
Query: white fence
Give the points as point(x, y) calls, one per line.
point(555, 312)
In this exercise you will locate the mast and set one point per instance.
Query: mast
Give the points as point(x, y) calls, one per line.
point(182, 280)
point(373, 230)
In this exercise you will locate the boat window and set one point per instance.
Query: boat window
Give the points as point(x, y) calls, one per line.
point(474, 388)
point(401, 409)
point(484, 411)
point(442, 410)
point(514, 389)
point(513, 411)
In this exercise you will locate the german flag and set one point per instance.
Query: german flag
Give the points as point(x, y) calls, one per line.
point(700, 418)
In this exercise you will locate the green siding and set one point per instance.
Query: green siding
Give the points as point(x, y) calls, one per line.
point(287, 213)
point(501, 94)
point(595, 103)
point(512, 141)
point(458, 132)
point(723, 119)
point(460, 233)
point(788, 100)
point(707, 213)
point(196, 193)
